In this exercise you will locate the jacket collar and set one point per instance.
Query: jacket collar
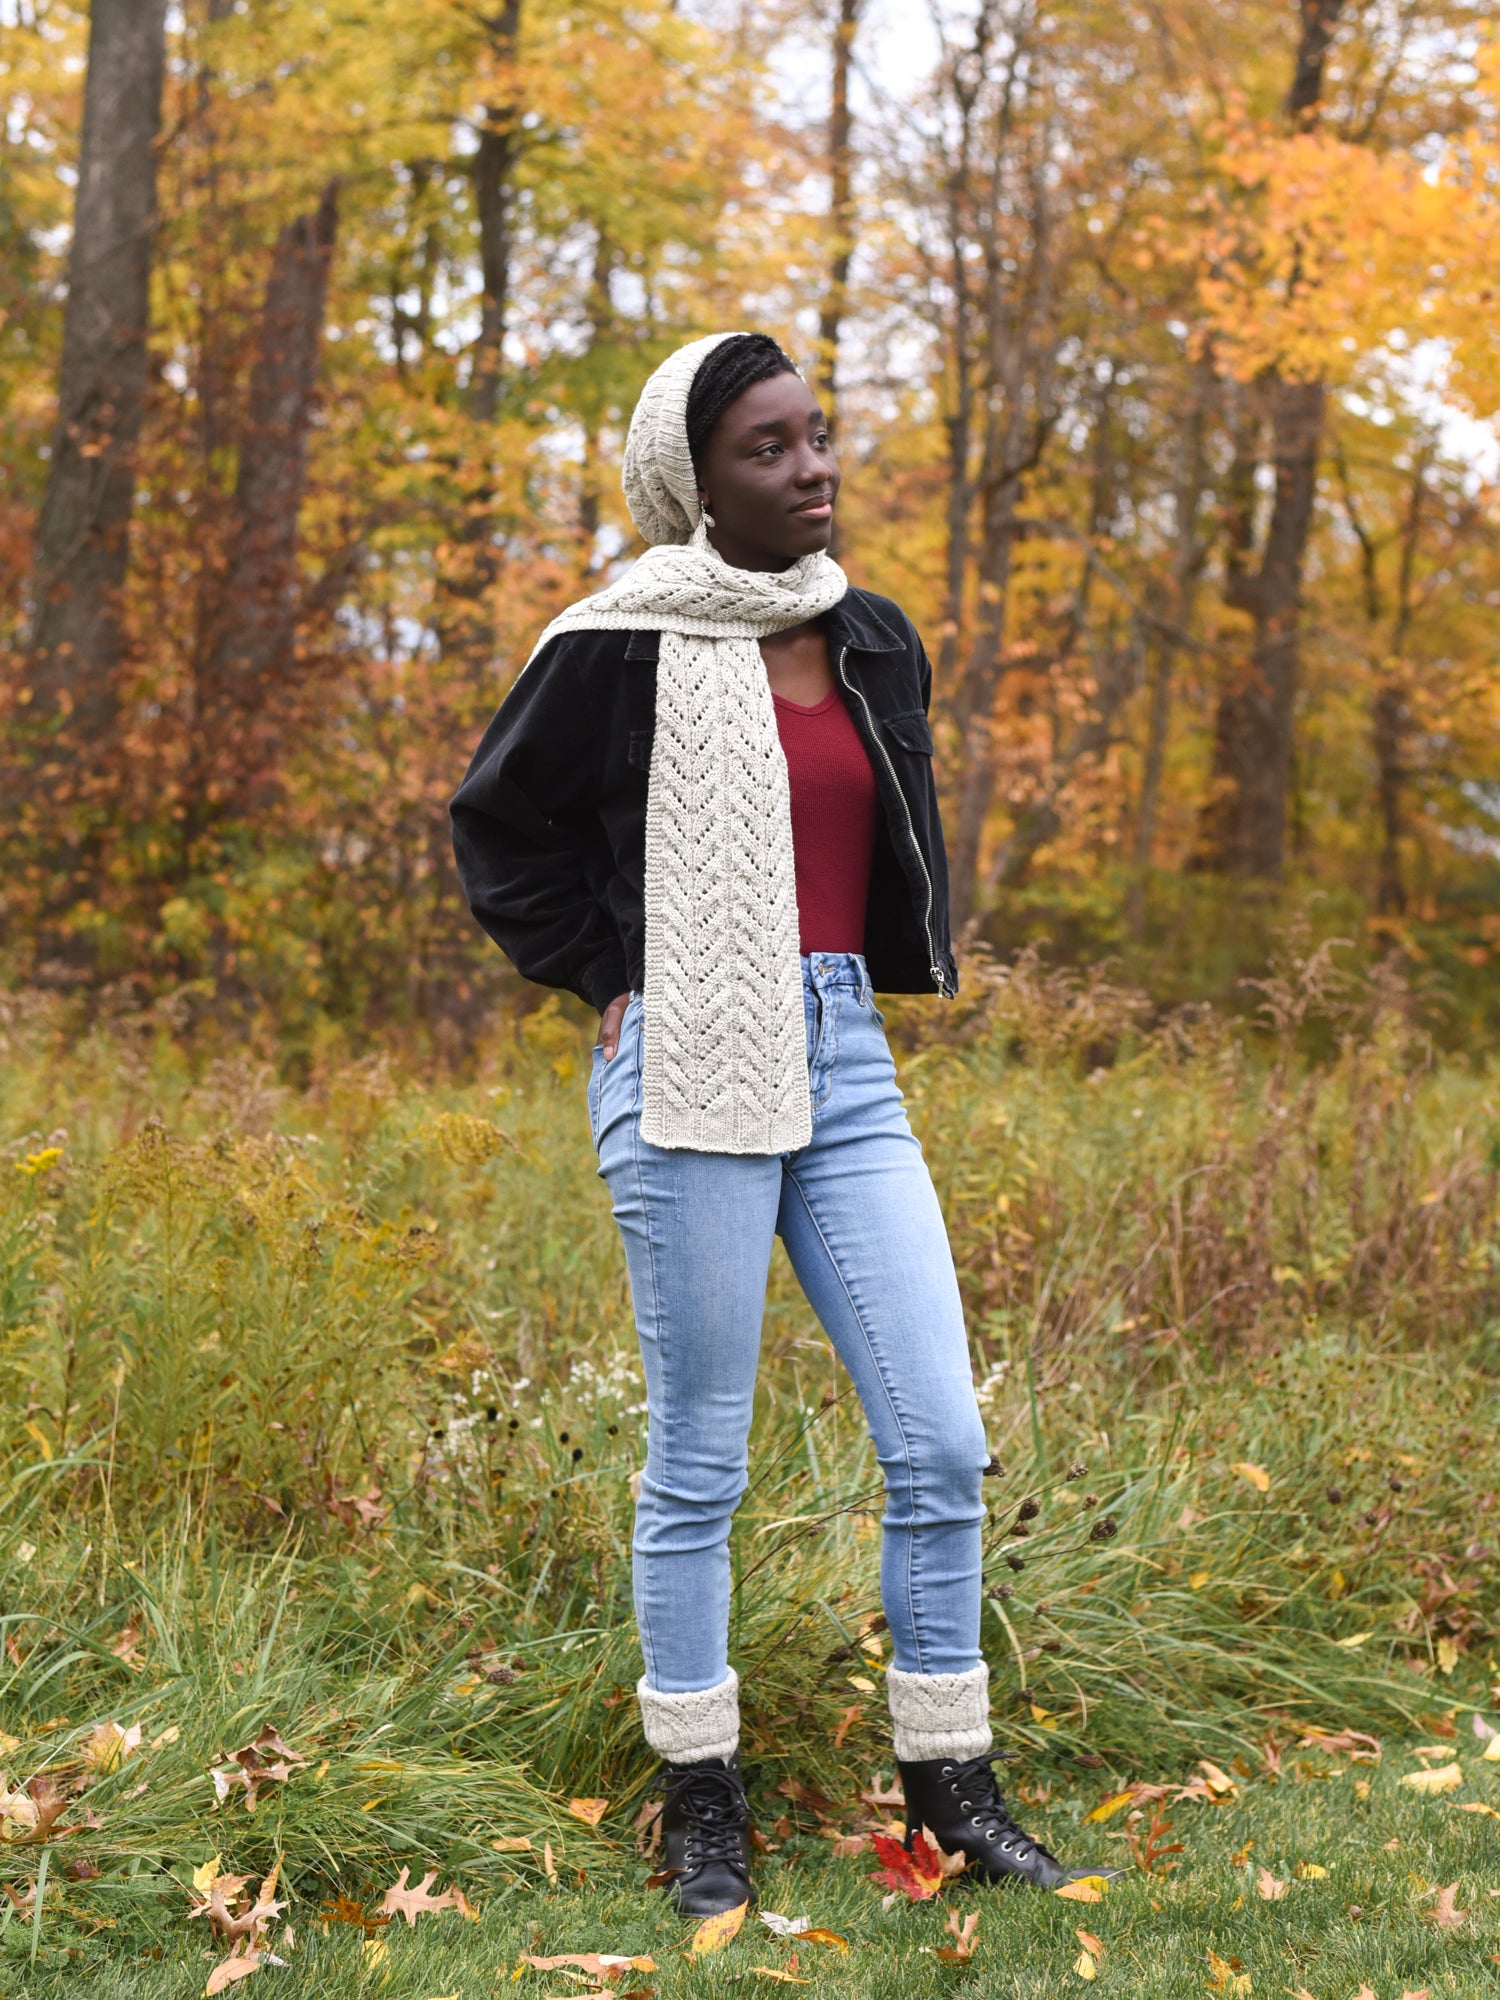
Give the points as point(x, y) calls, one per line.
point(852, 622)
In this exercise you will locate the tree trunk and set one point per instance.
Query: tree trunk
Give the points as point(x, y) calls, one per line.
point(1242, 830)
point(1187, 563)
point(840, 207)
point(1245, 818)
point(82, 541)
point(255, 630)
point(493, 170)
point(1390, 710)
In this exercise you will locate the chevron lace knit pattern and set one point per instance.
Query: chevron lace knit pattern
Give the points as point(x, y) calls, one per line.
point(725, 1040)
point(691, 1728)
point(940, 1715)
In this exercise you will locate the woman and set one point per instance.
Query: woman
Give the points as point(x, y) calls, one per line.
point(707, 807)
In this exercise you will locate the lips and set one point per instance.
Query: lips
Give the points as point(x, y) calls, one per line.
point(823, 504)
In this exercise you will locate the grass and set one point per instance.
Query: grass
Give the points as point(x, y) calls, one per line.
point(1366, 1923)
point(319, 1411)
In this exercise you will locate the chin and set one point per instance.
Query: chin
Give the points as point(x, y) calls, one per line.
point(811, 538)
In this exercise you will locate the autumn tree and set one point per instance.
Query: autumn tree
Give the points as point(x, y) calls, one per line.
point(84, 524)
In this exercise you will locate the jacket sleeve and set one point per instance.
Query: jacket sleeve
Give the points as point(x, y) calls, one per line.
point(524, 818)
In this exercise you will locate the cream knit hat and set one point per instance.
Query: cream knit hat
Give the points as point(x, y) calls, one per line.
point(661, 489)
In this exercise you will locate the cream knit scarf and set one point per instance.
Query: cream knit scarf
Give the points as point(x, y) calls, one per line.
point(725, 1039)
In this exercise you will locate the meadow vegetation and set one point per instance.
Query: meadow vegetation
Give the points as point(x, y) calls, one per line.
point(320, 1414)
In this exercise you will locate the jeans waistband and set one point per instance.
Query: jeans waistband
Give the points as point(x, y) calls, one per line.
point(829, 971)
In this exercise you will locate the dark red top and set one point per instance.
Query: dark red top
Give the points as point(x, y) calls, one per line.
point(834, 808)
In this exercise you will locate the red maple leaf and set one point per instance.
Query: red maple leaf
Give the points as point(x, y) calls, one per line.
point(918, 1872)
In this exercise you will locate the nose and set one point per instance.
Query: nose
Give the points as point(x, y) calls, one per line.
point(813, 468)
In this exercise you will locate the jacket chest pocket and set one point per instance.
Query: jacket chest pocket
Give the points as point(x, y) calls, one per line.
point(638, 749)
point(909, 730)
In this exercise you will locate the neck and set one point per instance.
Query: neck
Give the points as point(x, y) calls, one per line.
point(744, 555)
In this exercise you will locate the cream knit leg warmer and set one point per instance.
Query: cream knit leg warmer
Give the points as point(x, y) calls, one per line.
point(691, 1728)
point(940, 1715)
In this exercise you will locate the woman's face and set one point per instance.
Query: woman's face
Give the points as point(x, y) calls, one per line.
point(769, 477)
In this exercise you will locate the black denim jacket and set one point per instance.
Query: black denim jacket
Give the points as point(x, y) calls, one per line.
point(549, 824)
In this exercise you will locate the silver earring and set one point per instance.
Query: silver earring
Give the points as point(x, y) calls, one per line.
point(708, 519)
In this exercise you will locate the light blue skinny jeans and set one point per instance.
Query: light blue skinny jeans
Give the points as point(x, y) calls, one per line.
point(857, 1212)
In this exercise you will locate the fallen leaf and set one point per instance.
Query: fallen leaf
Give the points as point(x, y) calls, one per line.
point(715, 1932)
point(1241, 1854)
point(1353, 1743)
point(205, 1877)
point(918, 1872)
point(1257, 1475)
point(266, 1761)
point(1473, 1806)
point(1446, 1778)
point(1443, 1916)
point(239, 1965)
point(596, 1963)
point(399, 1900)
point(785, 1927)
point(1091, 1944)
point(877, 1796)
point(1086, 1966)
point(847, 1721)
point(1492, 1751)
point(549, 1866)
point(829, 1938)
point(1107, 1808)
point(1226, 1975)
point(1447, 1654)
point(1419, 1993)
point(1310, 1871)
point(1221, 1787)
point(963, 1934)
point(1364, 1993)
point(849, 1844)
point(106, 1748)
point(1089, 1889)
point(859, 1681)
point(590, 1811)
point(511, 1843)
point(1354, 1639)
point(778, 1973)
point(1268, 1888)
point(647, 1829)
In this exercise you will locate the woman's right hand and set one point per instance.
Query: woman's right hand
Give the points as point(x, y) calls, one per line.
point(609, 1025)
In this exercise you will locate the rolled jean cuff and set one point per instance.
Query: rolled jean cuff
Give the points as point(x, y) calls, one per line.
point(692, 1728)
point(940, 1715)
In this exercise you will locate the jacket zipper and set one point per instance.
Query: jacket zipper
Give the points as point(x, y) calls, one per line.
point(939, 976)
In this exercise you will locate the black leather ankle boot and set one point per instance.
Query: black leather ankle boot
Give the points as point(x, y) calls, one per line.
point(959, 1803)
point(705, 1830)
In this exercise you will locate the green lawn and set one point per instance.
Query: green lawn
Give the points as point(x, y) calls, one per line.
point(1366, 1923)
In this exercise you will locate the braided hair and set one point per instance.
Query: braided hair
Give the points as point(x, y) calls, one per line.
point(729, 369)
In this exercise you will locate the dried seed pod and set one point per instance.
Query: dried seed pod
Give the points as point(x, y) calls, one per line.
point(1029, 1508)
point(1077, 1469)
point(1103, 1530)
point(1017, 1563)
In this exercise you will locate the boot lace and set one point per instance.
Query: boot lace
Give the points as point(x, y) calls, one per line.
point(979, 1788)
point(713, 1802)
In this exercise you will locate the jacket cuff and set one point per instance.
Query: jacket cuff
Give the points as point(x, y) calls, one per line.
point(604, 980)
